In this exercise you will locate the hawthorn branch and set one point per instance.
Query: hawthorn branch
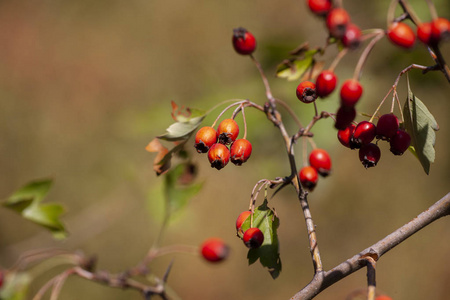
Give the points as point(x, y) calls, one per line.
point(324, 279)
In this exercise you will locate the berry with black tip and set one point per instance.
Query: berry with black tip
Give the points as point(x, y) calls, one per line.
point(205, 138)
point(352, 36)
point(240, 151)
point(369, 155)
point(320, 160)
point(345, 135)
point(308, 177)
point(253, 238)
point(227, 131)
point(337, 21)
point(400, 142)
point(319, 7)
point(214, 250)
point(387, 126)
point(440, 30)
point(218, 156)
point(243, 41)
point(240, 220)
point(401, 35)
point(364, 133)
point(306, 92)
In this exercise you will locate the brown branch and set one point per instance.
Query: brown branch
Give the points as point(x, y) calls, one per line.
point(324, 279)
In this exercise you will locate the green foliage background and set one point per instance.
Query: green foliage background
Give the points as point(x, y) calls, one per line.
point(85, 85)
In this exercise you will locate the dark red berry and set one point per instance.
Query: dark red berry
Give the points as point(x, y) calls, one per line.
point(240, 151)
point(364, 133)
point(387, 126)
point(345, 135)
point(227, 131)
point(205, 138)
point(240, 220)
point(243, 41)
point(218, 156)
point(351, 91)
point(319, 7)
point(344, 117)
point(337, 20)
point(424, 33)
point(352, 36)
point(253, 238)
point(306, 92)
point(400, 142)
point(369, 155)
point(320, 160)
point(214, 250)
point(325, 83)
point(308, 177)
point(401, 34)
point(440, 30)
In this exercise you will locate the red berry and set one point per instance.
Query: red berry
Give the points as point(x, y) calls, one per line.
point(352, 36)
point(364, 133)
point(214, 250)
point(424, 33)
point(351, 91)
point(401, 34)
point(345, 135)
point(243, 41)
point(306, 92)
point(387, 126)
point(344, 117)
point(240, 151)
point(253, 238)
point(241, 219)
point(440, 30)
point(218, 156)
point(320, 160)
point(400, 142)
point(228, 131)
point(337, 20)
point(325, 83)
point(383, 297)
point(319, 7)
point(205, 138)
point(369, 155)
point(308, 177)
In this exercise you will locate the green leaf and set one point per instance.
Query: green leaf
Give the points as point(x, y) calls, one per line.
point(293, 69)
point(177, 195)
point(15, 286)
point(27, 202)
point(185, 123)
point(421, 125)
point(268, 254)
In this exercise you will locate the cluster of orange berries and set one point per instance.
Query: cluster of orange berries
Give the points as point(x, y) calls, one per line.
point(216, 142)
point(319, 164)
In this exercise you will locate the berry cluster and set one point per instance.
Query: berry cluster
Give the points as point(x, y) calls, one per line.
point(319, 164)
point(252, 237)
point(361, 137)
point(216, 142)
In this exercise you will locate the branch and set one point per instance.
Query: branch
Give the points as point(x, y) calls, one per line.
point(324, 279)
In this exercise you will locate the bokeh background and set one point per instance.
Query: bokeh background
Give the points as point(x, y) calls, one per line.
point(85, 85)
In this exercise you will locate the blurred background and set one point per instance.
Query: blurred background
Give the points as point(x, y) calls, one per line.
point(85, 85)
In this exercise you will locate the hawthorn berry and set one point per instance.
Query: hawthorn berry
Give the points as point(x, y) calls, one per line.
point(205, 138)
point(325, 83)
point(344, 117)
point(401, 34)
point(214, 250)
point(351, 91)
point(352, 36)
point(369, 155)
point(364, 133)
point(320, 160)
point(400, 142)
point(308, 177)
point(424, 33)
point(337, 21)
point(253, 238)
point(240, 151)
point(345, 135)
point(440, 30)
point(240, 220)
point(243, 41)
point(218, 156)
point(387, 126)
point(306, 92)
point(227, 131)
point(383, 297)
point(320, 7)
